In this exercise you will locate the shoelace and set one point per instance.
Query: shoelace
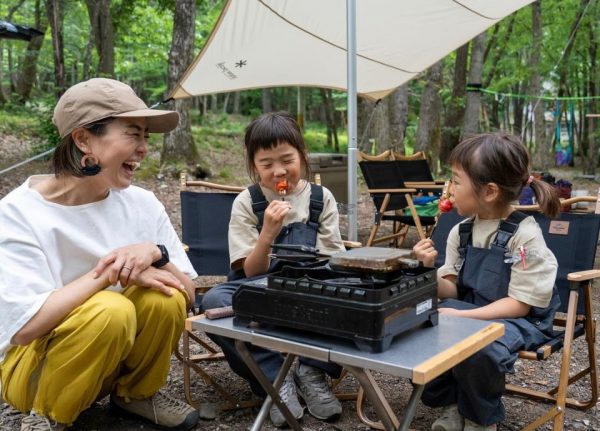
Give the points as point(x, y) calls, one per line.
point(318, 383)
point(39, 423)
point(161, 401)
point(287, 390)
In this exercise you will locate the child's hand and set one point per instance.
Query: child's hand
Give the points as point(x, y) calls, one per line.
point(425, 252)
point(274, 216)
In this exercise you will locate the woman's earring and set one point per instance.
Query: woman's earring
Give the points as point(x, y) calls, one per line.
point(89, 165)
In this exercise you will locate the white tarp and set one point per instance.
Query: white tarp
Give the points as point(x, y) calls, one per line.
point(275, 43)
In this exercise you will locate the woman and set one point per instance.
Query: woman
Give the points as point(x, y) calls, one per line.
point(94, 281)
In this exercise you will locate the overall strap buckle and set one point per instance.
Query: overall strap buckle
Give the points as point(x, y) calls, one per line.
point(507, 228)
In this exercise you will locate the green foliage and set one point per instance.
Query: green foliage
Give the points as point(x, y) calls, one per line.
point(315, 137)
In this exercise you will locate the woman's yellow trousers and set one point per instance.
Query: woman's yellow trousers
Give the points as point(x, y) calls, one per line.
point(113, 342)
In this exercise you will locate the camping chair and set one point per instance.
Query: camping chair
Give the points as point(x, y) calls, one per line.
point(390, 195)
point(416, 172)
point(386, 155)
point(204, 224)
point(573, 238)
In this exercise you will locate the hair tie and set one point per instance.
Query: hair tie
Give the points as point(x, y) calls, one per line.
point(529, 180)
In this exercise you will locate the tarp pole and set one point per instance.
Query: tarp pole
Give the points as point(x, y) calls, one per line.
point(352, 118)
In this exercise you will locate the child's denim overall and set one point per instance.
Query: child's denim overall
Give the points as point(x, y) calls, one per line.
point(477, 384)
point(297, 233)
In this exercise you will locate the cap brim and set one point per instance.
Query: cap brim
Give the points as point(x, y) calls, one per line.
point(157, 121)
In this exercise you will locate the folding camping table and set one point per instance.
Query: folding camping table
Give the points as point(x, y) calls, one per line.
point(419, 355)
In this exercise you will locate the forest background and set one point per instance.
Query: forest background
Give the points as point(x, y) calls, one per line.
point(534, 74)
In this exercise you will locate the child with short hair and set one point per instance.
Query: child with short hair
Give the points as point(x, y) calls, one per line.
point(497, 267)
point(281, 207)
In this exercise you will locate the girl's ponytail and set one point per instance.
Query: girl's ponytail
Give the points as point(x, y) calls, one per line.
point(546, 197)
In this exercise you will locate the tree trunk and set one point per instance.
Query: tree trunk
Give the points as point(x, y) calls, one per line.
point(104, 36)
point(55, 19)
point(329, 111)
point(3, 99)
point(564, 59)
point(381, 128)
point(498, 52)
point(12, 70)
point(226, 102)
point(12, 78)
point(365, 108)
point(87, 58)
point(428, 130)
point(28, 72)
point(373, 126)
point(237, 103)
point(398, 110)
point(517, 110)
point(473, 105)
point(178, 145)
point(541, 155)
point(267, 104)
point(456, 106)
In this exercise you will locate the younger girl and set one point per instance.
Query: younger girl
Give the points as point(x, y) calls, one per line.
point(282, 207)
point(497, 268)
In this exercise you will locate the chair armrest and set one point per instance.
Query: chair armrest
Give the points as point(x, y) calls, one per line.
point(352, 244)
point(391, 191)
point(215, 186)
point(424, 185)
point(583, 275)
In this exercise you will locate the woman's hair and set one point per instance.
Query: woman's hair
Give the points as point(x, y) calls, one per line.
point(67, 156)
point(270, 130)
point(502, 159)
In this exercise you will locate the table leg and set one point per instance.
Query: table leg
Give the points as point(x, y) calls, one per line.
point(380, 404)
point(374, 394)
point(271, 389)
point(411, 407)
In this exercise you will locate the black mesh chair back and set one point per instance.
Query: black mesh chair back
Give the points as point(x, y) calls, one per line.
point(204, 224)
point(384, 174)
point(415, 170)
point(574, 247)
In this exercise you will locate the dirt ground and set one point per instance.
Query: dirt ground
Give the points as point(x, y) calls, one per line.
point(100, 417)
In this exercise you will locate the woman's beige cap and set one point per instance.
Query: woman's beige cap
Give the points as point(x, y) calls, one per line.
point(100, 98)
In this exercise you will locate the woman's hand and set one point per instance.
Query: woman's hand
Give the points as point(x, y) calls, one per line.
point(425, 252)
point(274, 216)
point(127, 263)
point(158, 279)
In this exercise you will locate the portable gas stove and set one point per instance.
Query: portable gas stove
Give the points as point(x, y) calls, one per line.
point(367, 295)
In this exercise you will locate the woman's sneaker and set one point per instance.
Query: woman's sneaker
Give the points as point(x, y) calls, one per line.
point(288, 395)
point(314, 389)
point(450, 420)
point(35, 422)
point(472, 426)
point(160, 410)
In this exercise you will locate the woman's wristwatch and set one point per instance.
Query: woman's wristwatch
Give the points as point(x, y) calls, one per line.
point(164, 257)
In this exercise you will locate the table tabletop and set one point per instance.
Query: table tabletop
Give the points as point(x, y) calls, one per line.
point(420, 354)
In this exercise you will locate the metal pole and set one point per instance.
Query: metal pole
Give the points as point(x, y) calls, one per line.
point(352, 118)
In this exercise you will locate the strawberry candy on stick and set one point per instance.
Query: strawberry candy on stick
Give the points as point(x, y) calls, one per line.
point(282, 187)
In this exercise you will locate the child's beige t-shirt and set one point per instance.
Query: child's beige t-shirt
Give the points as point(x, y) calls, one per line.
point(243, 234)
point(533, 284)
